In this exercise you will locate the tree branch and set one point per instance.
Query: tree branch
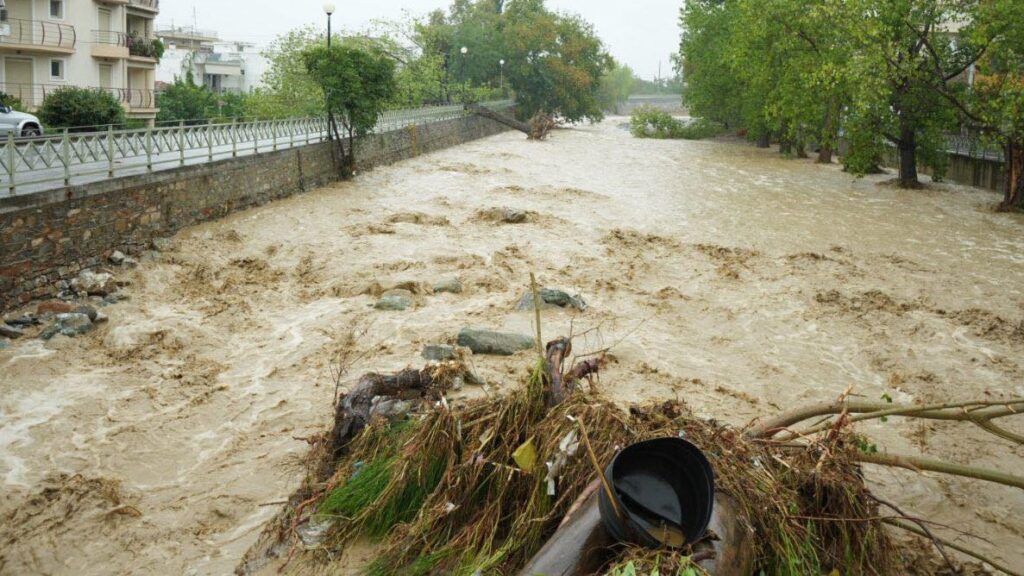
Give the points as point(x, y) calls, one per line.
point(953, 545)
point(918, 464)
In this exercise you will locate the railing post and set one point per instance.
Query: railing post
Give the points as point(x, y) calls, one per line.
point(291, 135)
point(255, 137)
point(273, 131)
point(65, 153)
point(209, 141)
point(181, 142)
point(110, 151)
point(234, 138)
point(149, 149)
point(12, 155)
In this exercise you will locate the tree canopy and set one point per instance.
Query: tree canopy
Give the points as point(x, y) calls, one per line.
point(892, 76)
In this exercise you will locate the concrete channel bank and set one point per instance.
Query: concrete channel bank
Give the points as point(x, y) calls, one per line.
point(51, 236)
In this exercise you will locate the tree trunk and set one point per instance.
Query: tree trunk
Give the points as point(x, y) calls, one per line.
point(801, 149)
point(907, 147)
point(764, 140)
point(785, 146)
point(500, 118)
point(829, 135)
point(1013, 196)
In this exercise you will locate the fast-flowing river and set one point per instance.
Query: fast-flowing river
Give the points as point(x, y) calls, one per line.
point(740, 281)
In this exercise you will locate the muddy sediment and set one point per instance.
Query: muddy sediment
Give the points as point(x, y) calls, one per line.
point(738, 281)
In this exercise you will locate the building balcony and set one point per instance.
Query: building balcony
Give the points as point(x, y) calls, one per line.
point(32, 95)
point(109, 44)
point(37, 36)
point(147, 5)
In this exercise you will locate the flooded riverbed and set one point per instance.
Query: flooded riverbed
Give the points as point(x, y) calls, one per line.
point(739, 281)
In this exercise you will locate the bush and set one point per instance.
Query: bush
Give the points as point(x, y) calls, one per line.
point(13, 101)
point(649, 122)
point(81, 109)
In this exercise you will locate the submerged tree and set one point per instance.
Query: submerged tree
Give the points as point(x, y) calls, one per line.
point(356, 85)
point(555, 62)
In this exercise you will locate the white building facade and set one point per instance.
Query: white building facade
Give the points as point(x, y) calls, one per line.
point(220, 65)
point(107, 44)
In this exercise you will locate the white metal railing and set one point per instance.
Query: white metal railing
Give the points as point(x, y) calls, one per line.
point(67, 158)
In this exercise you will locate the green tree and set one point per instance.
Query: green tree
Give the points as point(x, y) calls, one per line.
point(289, 91)
point(555, 62)
point(185, 101)
point(356, 85)
point(615, 87)
point(81, 109)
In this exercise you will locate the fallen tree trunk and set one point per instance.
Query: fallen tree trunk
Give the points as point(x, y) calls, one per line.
point(353, 412)
point(500, 118)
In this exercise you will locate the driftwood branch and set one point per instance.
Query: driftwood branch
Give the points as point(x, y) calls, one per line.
point(353, 411)
point(980, 413)
point(952, 545)
point(917, 463)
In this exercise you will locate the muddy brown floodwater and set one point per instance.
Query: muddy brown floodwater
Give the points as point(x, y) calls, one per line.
point(727, 276)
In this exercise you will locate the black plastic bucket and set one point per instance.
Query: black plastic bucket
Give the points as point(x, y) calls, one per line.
point(665, 489)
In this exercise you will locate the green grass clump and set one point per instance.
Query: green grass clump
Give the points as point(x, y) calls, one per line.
point(649, 122)
point(352, 497)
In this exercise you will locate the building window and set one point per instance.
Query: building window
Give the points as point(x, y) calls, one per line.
point(57, 9)
point(56, 69)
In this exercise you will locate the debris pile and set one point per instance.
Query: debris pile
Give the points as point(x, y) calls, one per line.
point(480, 488)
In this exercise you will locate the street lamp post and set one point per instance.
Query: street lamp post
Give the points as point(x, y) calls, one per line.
point(329, 9)
point(464, 52)
point(331, 129)
point(501, 76)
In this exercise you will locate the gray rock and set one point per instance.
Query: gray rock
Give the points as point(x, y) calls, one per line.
point(314, 532)
point(394, 300)
point(113, 299)
point(88, 311)
point(390, 408)
point(512, 216)
point(162, 244)
point(94, 283)
point(450, 285)
point(8, 331)
point(439, 352)
point(497, 343)
point(552, 297)
point(4, 344)
point(117, 257)
point(70, 325)
point(23, 321)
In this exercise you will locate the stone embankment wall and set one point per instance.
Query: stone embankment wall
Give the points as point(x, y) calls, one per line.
point(50, 236)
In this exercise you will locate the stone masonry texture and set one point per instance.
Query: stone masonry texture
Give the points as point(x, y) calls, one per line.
point(51, 236)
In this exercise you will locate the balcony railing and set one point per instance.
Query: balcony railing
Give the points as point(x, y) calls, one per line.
point(38, 33)
point(148, 4)
point(32, 95)
point(110, 37)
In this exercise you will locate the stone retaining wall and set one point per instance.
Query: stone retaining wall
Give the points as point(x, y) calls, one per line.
point(50, 236)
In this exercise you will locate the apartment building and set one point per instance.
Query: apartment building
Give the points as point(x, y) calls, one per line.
point(108, 44)
point(220, 65)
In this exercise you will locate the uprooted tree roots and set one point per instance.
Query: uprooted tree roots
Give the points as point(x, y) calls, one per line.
point(480, 488)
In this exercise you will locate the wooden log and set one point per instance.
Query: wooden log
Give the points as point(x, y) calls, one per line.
point(353, 411)
point(500, 118)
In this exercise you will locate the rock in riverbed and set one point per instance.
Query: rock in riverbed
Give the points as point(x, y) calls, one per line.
point(394, 300)
point(552, 297)
point(94, 283)
point(496, 343)
point(9, 331)
point(70, 325)
point(449, 285)
point(513, 216)
point(439, 352)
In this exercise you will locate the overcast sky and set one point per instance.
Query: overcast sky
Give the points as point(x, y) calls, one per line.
point(638, 32)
